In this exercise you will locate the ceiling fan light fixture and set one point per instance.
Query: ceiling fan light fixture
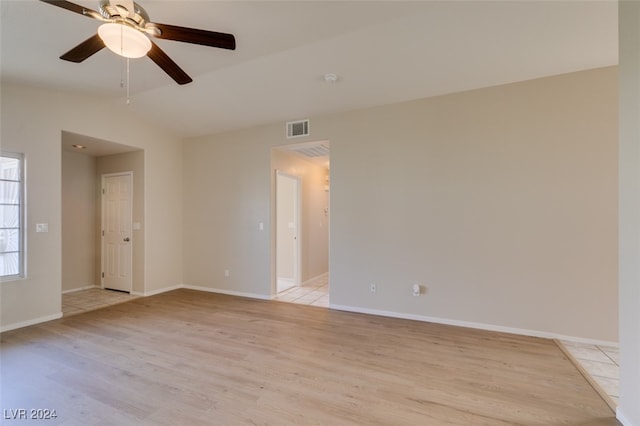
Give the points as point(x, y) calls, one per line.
point(124, 40)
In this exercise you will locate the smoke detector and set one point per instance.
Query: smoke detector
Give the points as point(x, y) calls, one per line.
point(330, 77)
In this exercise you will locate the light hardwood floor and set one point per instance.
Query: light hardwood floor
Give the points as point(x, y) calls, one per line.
point(190, 358)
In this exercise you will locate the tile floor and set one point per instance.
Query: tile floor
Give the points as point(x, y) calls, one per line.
point(314, 292)
point(601, 363)
point(91, 299)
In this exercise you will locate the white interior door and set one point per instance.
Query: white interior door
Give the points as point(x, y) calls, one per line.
point(287, 231)
point(117, 200)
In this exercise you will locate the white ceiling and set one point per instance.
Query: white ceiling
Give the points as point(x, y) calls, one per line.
point(382, 52)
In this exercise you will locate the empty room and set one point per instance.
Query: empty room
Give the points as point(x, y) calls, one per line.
point(328, 213)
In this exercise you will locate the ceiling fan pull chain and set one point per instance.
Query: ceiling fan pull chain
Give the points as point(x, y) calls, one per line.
point(123, 62)
point(122, 65)
point(128, 99)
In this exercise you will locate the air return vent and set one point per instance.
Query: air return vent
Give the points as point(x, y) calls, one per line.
point(312, 151)
point(296, 129)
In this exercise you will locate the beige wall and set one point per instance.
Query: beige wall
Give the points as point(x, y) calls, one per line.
point(501, 201)
point(78, 221)
point(315, 223)
point(226, 196)
point(31, 122)
point(127, 162)
point(629, 152)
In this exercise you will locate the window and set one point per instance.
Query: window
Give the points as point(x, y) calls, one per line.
point(11, 215)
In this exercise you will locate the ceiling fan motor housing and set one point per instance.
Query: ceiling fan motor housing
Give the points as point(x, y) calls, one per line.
point(116, 12)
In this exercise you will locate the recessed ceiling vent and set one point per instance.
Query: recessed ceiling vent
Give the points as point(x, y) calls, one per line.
point(312, 151)
point(295, 129)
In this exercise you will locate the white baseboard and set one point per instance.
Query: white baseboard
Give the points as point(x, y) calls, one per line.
point(228, 292)
point(200, 288)
point(30, 322)
point(158, 291)
point(588, 341)
point(73, 290)
point(468, 324)
point(622, 418)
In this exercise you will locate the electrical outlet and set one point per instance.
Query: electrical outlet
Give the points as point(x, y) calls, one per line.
point(417, 289)
point(373, 288)
point(226, 272)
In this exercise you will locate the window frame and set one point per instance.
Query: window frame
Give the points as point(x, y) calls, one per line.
point(22, 210)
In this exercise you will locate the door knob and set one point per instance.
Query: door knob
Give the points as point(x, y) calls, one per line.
point(126, 240)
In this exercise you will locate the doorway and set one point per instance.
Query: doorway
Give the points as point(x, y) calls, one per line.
point(308, 163)
point(287, 231)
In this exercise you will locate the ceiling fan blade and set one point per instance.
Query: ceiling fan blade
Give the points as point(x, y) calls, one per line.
point(192, 35)
point(75, 8)
point(161, 59)
point(85, 49)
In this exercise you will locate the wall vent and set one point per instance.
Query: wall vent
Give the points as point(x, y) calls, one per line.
point(312, 151)
point(296, 129)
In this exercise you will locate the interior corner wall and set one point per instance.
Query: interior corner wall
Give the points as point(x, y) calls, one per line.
point(501, 201)
point(126, 162)
point(78, 221)
point(629, 186)
point(226, 196)
point(32, 122)
point(314, 206)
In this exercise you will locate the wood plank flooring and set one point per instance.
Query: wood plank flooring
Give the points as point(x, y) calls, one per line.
point(191, 358)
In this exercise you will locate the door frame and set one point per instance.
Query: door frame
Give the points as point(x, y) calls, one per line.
point(102, 225)
point(297, 257)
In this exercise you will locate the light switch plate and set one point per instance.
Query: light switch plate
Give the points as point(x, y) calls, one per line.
point(136, 226)
point(42, 227)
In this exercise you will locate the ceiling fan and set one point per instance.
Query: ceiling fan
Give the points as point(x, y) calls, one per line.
point(125, 29)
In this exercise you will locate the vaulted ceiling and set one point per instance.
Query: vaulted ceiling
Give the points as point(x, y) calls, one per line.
point(382, 52)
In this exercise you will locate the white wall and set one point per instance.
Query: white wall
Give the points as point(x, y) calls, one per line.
point(502, 201)
point(32, 121)
point(78, 221)
point(629, 152)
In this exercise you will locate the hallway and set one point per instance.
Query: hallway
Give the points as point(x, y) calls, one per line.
point(314, 292)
